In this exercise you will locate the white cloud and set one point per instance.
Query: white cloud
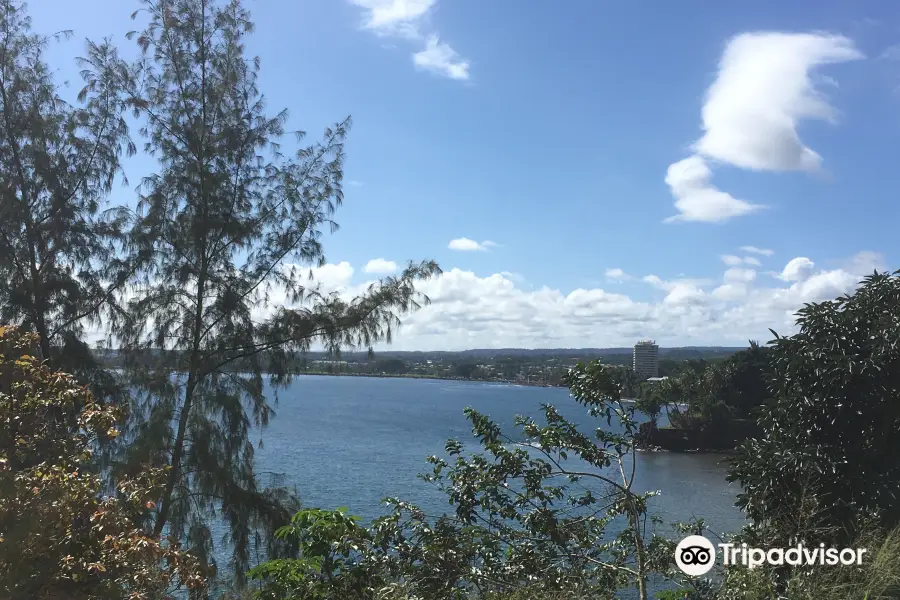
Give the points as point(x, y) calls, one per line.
point(616, 274)
point(684, 294)
point(763, 90)
point(354, 183)
point(736, 261)
point(469, 311)
point(394, 17)
point(464, 244)
point(516, 277)
point(680, 291)
point(332, 277)
point(866, 262)
point(739, 275)
point(755, 250)
point(441, 59)
point(670, 285)
point(697, 199)
point(797, 269)
point(655, 281)
point(766, 85)
point(380, 266)
point(406, 19)
point(730, 291)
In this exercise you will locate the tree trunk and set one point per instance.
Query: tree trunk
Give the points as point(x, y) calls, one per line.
point(178, 449)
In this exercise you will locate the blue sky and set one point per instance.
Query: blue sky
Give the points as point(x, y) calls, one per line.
point(550, 128)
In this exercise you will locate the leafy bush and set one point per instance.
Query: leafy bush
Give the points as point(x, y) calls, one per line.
point(60, 536)
point(828, 457)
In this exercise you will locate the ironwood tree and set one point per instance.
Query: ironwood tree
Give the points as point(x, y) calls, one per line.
point(59, 264)
point(223, 235)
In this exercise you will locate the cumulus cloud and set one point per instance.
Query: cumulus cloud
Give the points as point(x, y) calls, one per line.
point(737, 274)
point(332, 277)
point(764, 88)
point(380, 266)
point(755, 250)
point(697, 199)
point(684, 294)
point(797, 269)
point(736, 261)
point(496, 311)
point(516, 277)
point(730, 291)
point(394, 17)
point(407, 19)
point(464, 244)
point(655, 281)
point(469, 311)
point(441, 59)
point(616, 274)
point(680, 291)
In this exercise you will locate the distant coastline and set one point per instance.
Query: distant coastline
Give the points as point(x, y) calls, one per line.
point(434, 377)
point(120, 370)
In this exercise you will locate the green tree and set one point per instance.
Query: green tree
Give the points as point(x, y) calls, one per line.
point(60, 536)
point(703, 389)
point(227, 221)
point(629, 382)
point(466, 370)
point(58, 162)
point(749, 378)
point(557, 515)
point(670, 395)
point(650, 401)
point(335, 560)
point(390, 365)
point(827, 458)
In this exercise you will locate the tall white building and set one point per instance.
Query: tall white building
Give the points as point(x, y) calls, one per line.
point(646, 359)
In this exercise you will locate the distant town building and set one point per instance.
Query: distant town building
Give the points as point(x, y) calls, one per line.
point(646, 359)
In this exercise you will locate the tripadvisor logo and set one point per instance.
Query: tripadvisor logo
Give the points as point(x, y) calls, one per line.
point(696, 555)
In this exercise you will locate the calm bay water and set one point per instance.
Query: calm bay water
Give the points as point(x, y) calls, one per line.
point(351, 441)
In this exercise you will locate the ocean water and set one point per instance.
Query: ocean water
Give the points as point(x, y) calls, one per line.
point(352, 441)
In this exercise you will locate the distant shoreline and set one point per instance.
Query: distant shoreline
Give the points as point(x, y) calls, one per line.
point(434, 377)
point(119, 369)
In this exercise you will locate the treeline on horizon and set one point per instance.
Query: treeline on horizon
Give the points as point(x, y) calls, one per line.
point(673, 353)
point(140, 482)
point(504, 364)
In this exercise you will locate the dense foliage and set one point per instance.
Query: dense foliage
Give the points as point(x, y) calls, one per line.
point(61, 534)
point(708, 405)
point(58, 260)
point(828, 454)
